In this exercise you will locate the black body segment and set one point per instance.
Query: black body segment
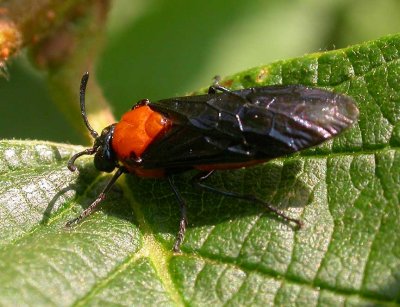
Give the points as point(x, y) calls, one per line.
point(250, 124)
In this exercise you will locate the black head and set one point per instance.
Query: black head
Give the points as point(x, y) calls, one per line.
point(104, 159)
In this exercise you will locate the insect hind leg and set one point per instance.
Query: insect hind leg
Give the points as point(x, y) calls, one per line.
point(198, 180)
point(184, 221)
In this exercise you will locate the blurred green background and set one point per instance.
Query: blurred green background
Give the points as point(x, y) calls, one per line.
point(162, 48)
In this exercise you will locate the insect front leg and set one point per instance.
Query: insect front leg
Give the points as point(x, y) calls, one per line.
point(198, 181)
point(98, 200)
point(184, 221)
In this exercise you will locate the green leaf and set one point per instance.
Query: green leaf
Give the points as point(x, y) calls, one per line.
point(345, 191)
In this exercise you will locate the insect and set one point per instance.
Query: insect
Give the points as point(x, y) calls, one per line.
point(220, 130)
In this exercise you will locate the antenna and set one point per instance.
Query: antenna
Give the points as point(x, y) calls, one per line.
point(89, 151)
point(82, 93)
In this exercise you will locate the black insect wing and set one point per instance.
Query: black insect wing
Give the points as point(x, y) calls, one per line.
point(285, 119)
point(256, 123)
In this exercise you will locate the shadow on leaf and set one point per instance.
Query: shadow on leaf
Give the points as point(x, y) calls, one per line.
point(278, 186)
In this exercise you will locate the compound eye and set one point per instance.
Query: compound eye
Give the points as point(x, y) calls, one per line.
point(103, 161)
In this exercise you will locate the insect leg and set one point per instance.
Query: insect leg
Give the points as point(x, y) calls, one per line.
point(89, 151)
point(198, 180)
point(184, 221)
point(216, 87)
point(212, 89)
point(98, 200)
